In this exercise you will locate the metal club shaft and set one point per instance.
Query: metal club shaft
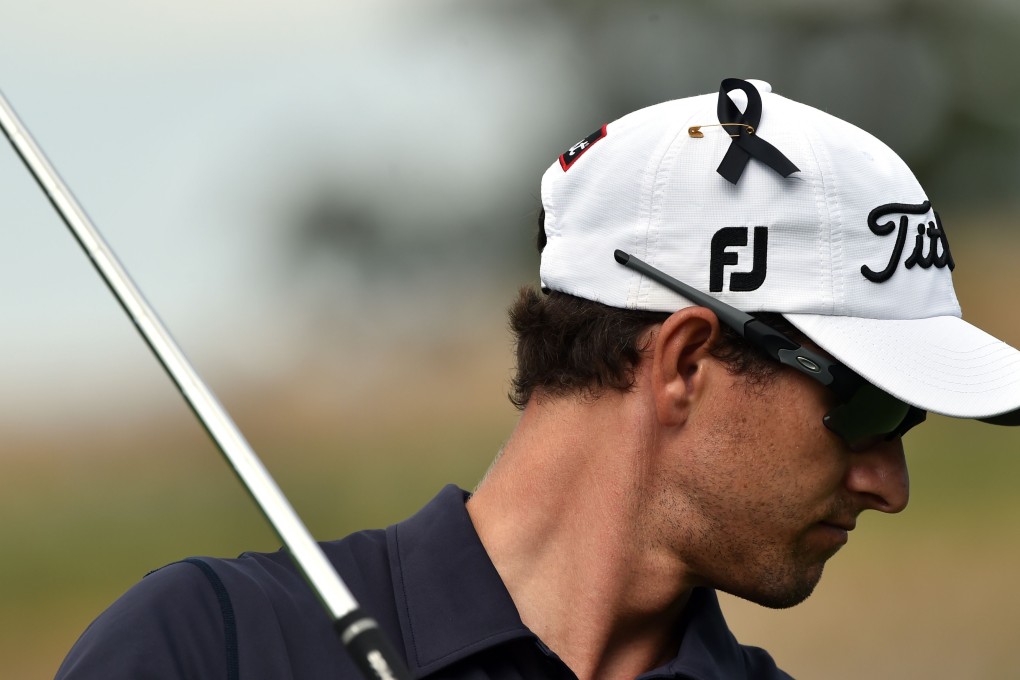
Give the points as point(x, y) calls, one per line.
point(372, 653)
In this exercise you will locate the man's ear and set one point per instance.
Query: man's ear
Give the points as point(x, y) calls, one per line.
point(681, 354)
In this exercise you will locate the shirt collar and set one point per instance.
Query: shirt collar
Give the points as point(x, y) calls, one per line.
point(708, 649)
point(450, 598)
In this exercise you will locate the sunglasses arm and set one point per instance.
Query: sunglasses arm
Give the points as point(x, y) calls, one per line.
point(771, 341)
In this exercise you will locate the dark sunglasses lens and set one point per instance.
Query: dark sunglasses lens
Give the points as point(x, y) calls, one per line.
point(871, 413)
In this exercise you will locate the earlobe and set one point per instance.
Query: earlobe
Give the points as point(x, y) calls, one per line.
point(681, 355)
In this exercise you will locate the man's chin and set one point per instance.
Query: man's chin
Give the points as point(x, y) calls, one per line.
point(781, 595)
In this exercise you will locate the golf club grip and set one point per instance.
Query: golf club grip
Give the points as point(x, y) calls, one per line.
point(369, 648)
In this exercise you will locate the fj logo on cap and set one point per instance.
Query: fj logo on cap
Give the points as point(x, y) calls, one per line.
point(932, 232)
point(728, 237)
point(573, 153)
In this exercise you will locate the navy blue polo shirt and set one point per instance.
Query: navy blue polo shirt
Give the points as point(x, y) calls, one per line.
point(427, 580)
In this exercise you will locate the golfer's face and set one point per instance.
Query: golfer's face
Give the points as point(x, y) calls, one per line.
point(774, 493)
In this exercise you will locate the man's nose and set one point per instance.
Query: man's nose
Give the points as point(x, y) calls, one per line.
point(878, 476)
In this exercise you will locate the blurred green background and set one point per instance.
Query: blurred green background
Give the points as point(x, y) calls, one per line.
point(331, 205)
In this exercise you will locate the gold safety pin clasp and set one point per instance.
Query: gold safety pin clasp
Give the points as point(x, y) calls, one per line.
point(695, 130)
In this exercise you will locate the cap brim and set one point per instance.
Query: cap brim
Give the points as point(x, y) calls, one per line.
point(940, 364)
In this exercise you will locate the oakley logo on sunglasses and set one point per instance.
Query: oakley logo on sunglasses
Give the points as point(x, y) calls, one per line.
point(741, 282)
point(932, 231)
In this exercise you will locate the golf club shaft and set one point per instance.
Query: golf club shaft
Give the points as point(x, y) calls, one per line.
point(359, 633)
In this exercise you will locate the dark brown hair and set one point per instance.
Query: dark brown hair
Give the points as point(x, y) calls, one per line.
point(569, 345)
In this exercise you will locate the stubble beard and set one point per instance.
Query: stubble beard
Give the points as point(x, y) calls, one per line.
point(772, 574)
point(779, 584)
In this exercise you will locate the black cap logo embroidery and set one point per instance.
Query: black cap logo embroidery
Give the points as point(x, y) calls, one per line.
point(573, 153)
point(932, 231)
point(740, 282)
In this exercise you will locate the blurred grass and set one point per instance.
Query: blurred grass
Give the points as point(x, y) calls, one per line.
point(85, 527)
point(88, 511)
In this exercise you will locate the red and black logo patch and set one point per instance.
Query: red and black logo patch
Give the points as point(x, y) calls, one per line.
point(573, 153)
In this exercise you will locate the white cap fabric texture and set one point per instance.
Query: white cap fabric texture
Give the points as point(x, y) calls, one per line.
point(848, 248)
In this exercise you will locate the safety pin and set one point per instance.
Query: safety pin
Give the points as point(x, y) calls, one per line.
point(695, 130)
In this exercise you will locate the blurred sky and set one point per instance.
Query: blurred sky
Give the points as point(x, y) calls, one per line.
point(274, 174)
point(188, 130)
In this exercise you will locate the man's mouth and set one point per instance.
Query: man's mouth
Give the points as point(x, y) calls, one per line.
point(834, 533)
point(847, 525)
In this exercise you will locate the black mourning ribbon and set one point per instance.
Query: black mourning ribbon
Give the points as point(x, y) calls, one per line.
point(746, 144)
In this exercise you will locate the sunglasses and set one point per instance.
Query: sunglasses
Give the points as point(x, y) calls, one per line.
point(864, 415)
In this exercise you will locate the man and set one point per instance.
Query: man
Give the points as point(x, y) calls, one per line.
point(670, 445)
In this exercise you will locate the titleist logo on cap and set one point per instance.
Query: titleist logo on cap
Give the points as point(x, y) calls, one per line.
point(930, 230)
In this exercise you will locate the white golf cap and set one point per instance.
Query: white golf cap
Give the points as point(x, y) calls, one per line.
point(808, 216)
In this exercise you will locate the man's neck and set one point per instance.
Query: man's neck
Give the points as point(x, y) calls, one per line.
point(561, 515)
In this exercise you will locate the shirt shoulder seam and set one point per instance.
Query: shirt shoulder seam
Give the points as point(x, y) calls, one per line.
point(227, 613)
